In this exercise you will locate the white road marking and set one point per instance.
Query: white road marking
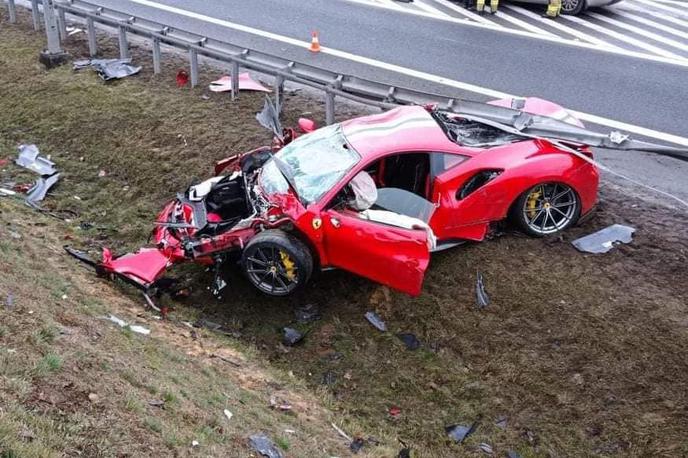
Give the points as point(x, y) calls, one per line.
point(559, 26)
point(390, 3)
point(639, 31)
point(409, 71)
point(624, 38)
point(657, 14)
point(656, 25)
point(660, 6)
point(681, 3)
point(466, 13)
point(430, 9)
point(523, 24)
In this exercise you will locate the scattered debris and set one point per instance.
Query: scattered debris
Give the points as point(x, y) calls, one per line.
point(481, 297)
point(394, 411)
point(356, 445)
point(602, 241)
point(460, 432)
point(39, 190)
point(329, 378)
point(228, 414)
point(512, 454)
point(93, 397)
point(307, 314)
point(263, 445)
point(487, 448)
point(194, 443)
point(410, 340)
point(156, 403)
point(341, 432)
point(9, 301)
point(7, 192)
point(404, 453)
point(291, 336)
point(246, 83)
point(29, 158)
point(73, 30)
point(102, 173)
point(182, 78)
point(279, 404)
point(376, 321)
point(123, 324)
point(215, 327)
point(501, 422)
point(26, 435)
point(109, 69)
point(225, 359)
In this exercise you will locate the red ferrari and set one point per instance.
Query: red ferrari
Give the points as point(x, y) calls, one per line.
point(375, 196)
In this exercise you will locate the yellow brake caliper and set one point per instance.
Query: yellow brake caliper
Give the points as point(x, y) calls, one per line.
point(532, 203)
point(289, 265)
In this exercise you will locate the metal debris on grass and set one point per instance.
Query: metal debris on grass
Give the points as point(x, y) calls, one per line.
point(246, 83)
point(39, 190)
point(481, 297)
point(460, 432)
point(109, 69)
point(307, 314)
point(9, 301)
point(156, 403)
point(410, 340)
point(228, 414)
point(291, 336)
point(374, 319)
point(356, 445)
point(6, 192)
point(123, 324)
point(487, 448)
point(30, 158)
point(263, 445)
point(501, 422)
point(604, 240)
point(512, 454)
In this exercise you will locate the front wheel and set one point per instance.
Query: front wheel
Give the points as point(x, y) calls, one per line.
point(572, 7)
point(277, 263)
point(546, 209)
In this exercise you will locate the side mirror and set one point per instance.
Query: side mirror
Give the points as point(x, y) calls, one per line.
point(307, 125)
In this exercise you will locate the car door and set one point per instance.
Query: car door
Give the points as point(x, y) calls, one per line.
point(394, 256)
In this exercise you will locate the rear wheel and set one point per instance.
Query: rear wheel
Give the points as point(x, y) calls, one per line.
point(277, 263)
point(546, 209)
point(572, 6)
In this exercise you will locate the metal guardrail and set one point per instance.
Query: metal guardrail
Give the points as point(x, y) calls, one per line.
point(333, 84)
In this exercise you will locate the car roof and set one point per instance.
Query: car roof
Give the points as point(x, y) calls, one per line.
point(403, 129)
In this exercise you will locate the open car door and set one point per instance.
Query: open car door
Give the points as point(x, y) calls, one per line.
point(391, 255)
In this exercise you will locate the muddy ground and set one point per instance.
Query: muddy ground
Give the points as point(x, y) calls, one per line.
point(578, 355)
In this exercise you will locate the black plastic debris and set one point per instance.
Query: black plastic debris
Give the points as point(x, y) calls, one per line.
point(410, 340)
point(604, 240)
point(404, 453)
point(263, 445)
point(481, 297)
point(460, 432)
point(356, 445)
point(376, 321)
point(307, 314)
point(39, 190)
point(109, 69)
point(29, 158)
point(291, 336)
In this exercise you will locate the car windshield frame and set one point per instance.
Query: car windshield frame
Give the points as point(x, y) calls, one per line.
point(311, 165)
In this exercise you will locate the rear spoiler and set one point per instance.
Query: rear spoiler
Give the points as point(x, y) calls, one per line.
point(529, 125)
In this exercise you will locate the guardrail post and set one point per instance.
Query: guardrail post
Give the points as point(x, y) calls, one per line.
point(329, 107)
point(53, 56)
point(123, 44)
point(156, 55)
point(235, 79)
point(279, 91)
point(12, 10)
point(193, 60)
point(35, 15)
point(61, 24)
point(92, 43)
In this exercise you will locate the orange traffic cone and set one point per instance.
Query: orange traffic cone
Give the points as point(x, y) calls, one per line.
point(315, 43)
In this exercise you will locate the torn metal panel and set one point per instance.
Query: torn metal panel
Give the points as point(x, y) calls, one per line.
point(39, 190)
point(109, 69)
point(604, 240)
point(269, 117)
point(481, 297)
point(29, 158)
point(374, 319)
point(246, 83)
point(263, 445)
point(460, 432)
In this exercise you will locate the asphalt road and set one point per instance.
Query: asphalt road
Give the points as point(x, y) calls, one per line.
point(636, 91)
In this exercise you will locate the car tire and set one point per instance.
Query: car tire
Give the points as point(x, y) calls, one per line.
point(277, 263)
point(572, 7)
point(546, 209)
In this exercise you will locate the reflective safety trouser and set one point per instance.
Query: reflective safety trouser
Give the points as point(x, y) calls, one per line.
point(480, 5)
point(553, 8)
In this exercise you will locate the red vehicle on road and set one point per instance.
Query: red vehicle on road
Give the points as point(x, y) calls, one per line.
point(374, 196)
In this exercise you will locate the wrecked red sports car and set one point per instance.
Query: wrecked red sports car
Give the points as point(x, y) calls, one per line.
point(373, 195)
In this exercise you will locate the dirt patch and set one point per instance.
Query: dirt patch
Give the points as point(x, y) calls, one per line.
point(578, 355)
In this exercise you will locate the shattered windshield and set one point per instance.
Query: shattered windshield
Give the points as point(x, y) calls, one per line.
point(312, 164)
point(466, 132)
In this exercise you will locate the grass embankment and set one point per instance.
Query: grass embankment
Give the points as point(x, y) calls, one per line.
point(583, 355)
